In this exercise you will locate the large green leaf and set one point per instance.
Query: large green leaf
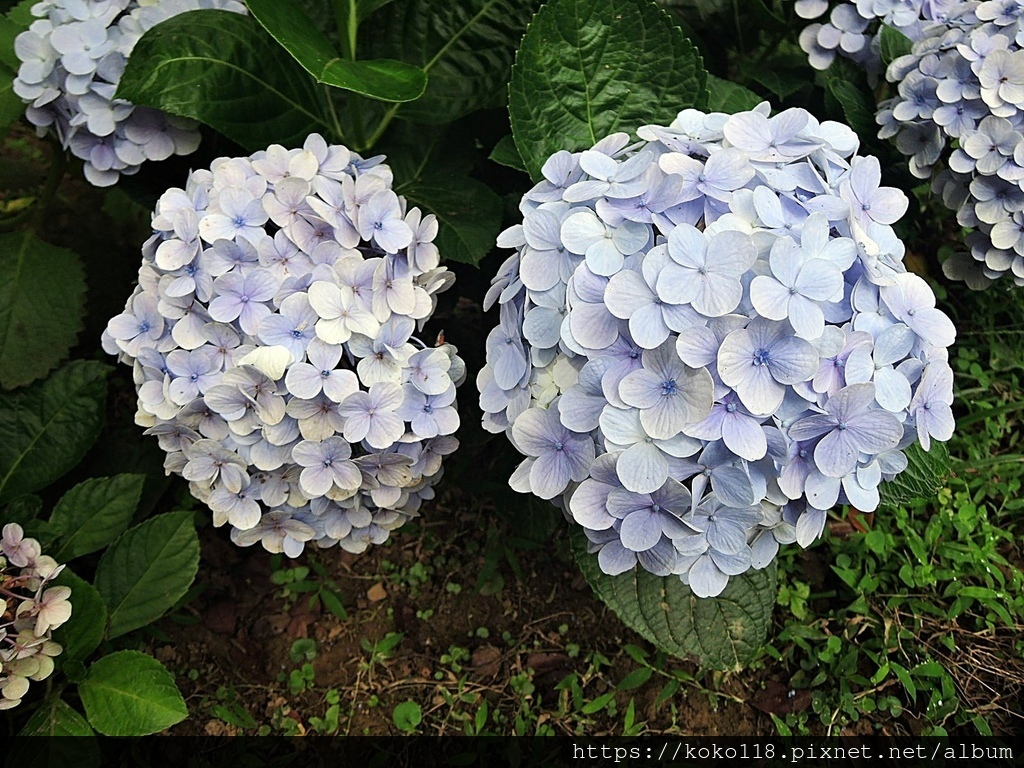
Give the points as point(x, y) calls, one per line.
point(143, 573)
point(225, 70)
point(12, 24)
point(131, 694)
point(83, 632)
point(465, 47)
point(45, 429)
point(56, 718)
point(588, 68)
point(384, 79)
point(923, 478)
point(723, 632)
point(94, 513)
point(42, 298)
point(469, 214)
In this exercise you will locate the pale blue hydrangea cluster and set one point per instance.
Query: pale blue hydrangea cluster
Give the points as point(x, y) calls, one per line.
point(708, 339)
point(272, 341)
point(959, 116)
point(853, 29)
point(72, 58)
point(30, 609)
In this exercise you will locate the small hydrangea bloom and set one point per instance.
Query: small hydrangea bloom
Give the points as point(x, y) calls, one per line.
point(705, 363)
point(72, 58)
point(30, 609)
point(272, 339)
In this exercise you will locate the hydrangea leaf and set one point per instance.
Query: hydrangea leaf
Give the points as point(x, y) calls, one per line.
point(129, 693)
point(144, 573)
point(923, 478)
point(223, 69)
point(383, 79)
point(505, 153)
point(893, 44)
point(94, 513)
point(57, 718)
point(588, 68)
point(46, 429)
point(846, 86)
point(42, 299)
point(12, 24)
point(468, 211)
point(83, 632)
point(723, 632)
point(11, 105)
point(466, 49)
point(729, 97)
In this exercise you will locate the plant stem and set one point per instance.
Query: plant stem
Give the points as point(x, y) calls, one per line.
point(58, 163)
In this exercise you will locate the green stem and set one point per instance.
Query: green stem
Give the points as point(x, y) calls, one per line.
point(1014, 458)
point(982, 415)
point(58, 163)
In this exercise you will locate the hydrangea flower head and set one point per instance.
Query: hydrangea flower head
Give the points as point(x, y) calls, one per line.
point(72, 58)
point(959, 116)
point(274, 349)
point(31, 607)
point(708, 338)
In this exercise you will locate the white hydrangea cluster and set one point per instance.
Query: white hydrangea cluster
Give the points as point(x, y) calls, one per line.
point(708, 339)
point(853, 29)
point(271, 336)
point(29, 612)
point(73, 57)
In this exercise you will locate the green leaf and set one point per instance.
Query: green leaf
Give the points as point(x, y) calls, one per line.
point(83, 632)
point(466, 48)
point(923, 478)
point(225, 70)
point(778, 75)
point(407, 716)
point(11, 105)
point(12, 24)
point(588, 68)
point(56, 718)
point(505, 153)
point(143, 573)
point(366, 7)
point(723, 632)
point(849, 89)
point(728, 97)
point(42, 298)
point(45, 429)
point(893, 44)
point(94, 513)
point(131, 694)
point(383, 79)
point(468, 211)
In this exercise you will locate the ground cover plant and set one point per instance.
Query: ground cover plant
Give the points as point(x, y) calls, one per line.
point(727, 326)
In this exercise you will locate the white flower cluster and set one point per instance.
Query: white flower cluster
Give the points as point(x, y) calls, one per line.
point(29, 612)
point(853, 29)
point(73, 57)
point(271, 335)
point(709, 338)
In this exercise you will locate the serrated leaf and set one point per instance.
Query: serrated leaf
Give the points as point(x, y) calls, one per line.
point(849, 89)
point(223, 69)
point(42, 298)
point(94, 513)
point(45, 429)
point(143, 573)
point(83, 632)
point(383, 79)
point(57, 718)
point(723, 632)
point(131, 694)
point(893, 44)
point(466, 48)
point(729, 97)
point(923, 478)
point(505, 153)
point(468, 211)
point(588, 68)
